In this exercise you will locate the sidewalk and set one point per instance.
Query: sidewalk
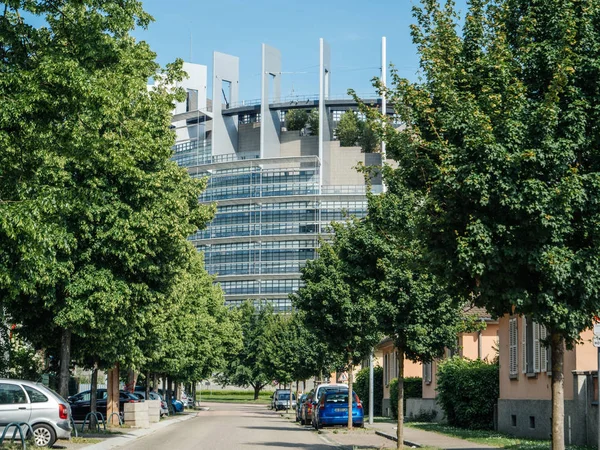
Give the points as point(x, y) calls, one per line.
point(419, 438)
point(132, 434)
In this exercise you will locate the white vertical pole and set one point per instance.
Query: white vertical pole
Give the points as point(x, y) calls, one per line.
point(383, 99)
point(598, 408)
point(371, 388)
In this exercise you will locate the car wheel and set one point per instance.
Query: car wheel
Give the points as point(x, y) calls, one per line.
point(43, 435)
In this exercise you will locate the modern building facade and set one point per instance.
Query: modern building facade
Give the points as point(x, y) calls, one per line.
point(277, 191)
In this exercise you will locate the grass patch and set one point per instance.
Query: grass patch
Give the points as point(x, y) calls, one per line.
point(85, 440)
point(492, 438)
point(234, 397)
point(383, 419)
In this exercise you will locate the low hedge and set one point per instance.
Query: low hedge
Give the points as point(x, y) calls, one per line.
point(413, 388)
point(467, 391)
point(361, 387)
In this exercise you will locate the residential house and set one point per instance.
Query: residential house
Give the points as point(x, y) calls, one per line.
point(524, 406)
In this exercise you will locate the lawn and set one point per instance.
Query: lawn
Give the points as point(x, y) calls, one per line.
point(492, 438)
point(223, 396)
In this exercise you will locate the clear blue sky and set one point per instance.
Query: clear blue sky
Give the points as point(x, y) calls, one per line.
point(239, 27)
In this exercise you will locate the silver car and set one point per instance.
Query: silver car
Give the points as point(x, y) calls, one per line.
point(44, 410)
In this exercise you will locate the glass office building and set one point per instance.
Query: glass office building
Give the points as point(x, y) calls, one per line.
point(277, 191)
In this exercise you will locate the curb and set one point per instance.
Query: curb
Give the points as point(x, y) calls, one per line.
point(135, 433)
point(395, 439)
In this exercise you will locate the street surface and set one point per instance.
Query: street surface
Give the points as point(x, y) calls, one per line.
point(229, 426)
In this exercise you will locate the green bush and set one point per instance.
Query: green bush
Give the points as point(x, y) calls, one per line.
point(413, 388)
point(467, 391)
point(361, 387)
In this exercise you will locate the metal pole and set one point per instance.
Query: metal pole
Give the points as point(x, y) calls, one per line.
point(598, 404)
point(383, 99)
point(371, 389)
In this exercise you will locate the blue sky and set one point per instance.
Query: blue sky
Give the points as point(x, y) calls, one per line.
point(239, 27)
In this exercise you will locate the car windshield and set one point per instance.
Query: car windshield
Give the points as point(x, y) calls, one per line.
point(339, 397)
point(284, 396)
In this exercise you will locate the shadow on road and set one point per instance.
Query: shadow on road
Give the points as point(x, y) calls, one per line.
point(274, 428)
point(294, 445)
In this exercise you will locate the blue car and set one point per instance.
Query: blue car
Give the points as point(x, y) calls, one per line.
point(333, 410)
point(177, 405)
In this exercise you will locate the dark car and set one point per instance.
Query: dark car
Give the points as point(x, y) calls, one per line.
point(306, 409)
point(301, 400)
point(332, 409)
point(81, 406)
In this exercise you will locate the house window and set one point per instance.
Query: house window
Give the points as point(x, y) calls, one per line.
point(513, 369)
point(536, 357)
point(386, 368)
point(427, 372)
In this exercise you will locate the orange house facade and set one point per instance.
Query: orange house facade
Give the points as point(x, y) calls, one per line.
point(387, 358)
point(524, 406)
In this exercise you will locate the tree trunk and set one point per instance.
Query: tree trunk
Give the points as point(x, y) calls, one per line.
point(155, 382)
point(558, 392)
point(400, 426)
point(93, 395)
point(194, 385)
point(257, 388)
point(65, 362)
point(297, 398)
point(350, 395)
point(147, 385)
point(132, 377)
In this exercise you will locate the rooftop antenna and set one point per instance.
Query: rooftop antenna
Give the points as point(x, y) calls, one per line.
point(190, 45)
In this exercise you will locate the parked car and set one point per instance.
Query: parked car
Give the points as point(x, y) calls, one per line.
point(81, 403)
point(177, 405)
point(306, 409)
point(319, 391)
point(332, 409)
point(43, 409)
point(164, 411)
point(301, 400)
point(284, 399)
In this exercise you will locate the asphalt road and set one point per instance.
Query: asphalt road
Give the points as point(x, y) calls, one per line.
point(228, 426)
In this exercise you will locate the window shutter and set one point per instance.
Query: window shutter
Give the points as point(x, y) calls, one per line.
point(512, 347)
point(549, 359)
point(543, 350)
point(524, 338)
point(427, 372)
point(385, 369)
point(536, 347)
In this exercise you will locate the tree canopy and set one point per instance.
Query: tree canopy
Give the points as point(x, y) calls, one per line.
point(93, 214)
point(500, 139)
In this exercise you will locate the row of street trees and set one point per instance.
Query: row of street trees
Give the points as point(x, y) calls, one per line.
point(275, 347)
point(495, 198)
point(95, 265)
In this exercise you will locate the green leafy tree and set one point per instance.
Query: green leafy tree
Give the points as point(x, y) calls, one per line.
point(348, 130)
point(292, 353)
point(296, 119)
point(246, 365)
point(367, 139)
point(500, 138)
point(198, 331)
point(94, 215)
point(313, 122)
point(335, 309)
point(384, 257)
